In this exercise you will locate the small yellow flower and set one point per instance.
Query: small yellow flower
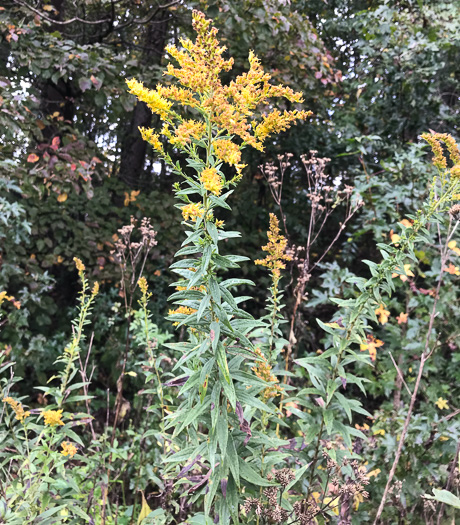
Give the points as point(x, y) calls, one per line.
point(53, 417)
point(407, 223)
point(442, 404)
point(453, 270)
point(143, 285)
point(17, 407)
point(380, 432)
point(455, 171)
point(452, 245)
point(374, 472)
point(80, 266)
point(395, 238)
point(211, 180)
point(402, 318)
point(95, 289)
point(371, 344)
point(192, 211)
point(383, 314)
point(68, 449)
point(183, 310)
point(408, 273)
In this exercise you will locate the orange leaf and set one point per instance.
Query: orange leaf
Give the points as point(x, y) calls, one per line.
point(55, 143)
point(33, 158)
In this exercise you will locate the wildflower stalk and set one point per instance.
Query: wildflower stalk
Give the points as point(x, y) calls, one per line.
point(71, 352)
point(220, 391)
point(370, 293)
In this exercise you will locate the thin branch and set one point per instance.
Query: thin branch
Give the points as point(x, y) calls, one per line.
point(59, 22)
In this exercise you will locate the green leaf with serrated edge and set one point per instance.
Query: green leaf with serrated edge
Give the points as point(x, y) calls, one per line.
point(192, 237)
point(222, 430)
point(343, 402)
point(212, 447)
point(228, 235)
point(233, 461)
point(222, 262)
point(217, 201)
point(207, 253)
point(212, 485)
point(207, 369)
point(198, 276)
point(249, 474)
point(241, 258)
point(71, 434)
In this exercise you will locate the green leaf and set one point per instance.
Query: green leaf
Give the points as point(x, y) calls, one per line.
point(249, 474)
point(444, 496)
point(204, 304)
point(221, 359)
point(222, 430)
point(233, 460)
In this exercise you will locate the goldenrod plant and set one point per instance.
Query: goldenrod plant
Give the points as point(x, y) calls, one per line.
point(220, 394)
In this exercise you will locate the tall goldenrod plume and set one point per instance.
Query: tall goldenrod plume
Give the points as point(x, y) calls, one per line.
point(229, 108)
point(276, 248)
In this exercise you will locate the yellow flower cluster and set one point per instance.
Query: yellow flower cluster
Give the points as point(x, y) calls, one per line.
point(276, 248)
point(17, 407)
point(371, 345)
point(382, 314)
point(152, 98)
point(263, 370)
point(4, 297)
point(455, 171)
point(192, 211)
point(143, 285)
point(152, 138)
point(211, 180)
point(200, 62)
point(80, 266)
point(68, 449)
point(229, 108)
point(439, 159)
point(53, 417)
point(184, 310)
point(186, 131)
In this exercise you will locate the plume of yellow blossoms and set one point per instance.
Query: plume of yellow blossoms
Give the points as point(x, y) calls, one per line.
point(17, 407)
point(227, 111)
point(439, 159)
point(263, 370)
point(276, 248)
